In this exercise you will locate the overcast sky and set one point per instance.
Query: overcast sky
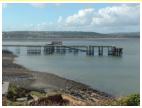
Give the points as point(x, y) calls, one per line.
point(103, 18)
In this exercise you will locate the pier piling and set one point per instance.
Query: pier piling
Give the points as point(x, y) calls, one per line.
point(100, 50)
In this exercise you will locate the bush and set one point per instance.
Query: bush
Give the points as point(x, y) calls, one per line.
point(12, 91)
point(16, 92)
point(132, 100)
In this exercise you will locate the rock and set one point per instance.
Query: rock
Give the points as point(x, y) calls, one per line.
point(82, 92)
point(29, 97)
point(94, 99)
point(22, 99)
point(76, 94)
point(4, 101)
point(55, 99)
point(35, 98)
point(5, 86)
point(93, 94)
point(88, 92)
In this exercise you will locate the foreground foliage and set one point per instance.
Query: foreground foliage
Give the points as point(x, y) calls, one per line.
point(17, 92)
point(131, 100)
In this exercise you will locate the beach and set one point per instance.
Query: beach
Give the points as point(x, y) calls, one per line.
point(47, 82)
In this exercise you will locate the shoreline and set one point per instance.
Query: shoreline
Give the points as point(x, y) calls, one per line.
point(41, 81)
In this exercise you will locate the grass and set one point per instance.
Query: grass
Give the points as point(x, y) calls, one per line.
point(38, 94)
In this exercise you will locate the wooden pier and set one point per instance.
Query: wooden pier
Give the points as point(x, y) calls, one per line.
point(90, 50)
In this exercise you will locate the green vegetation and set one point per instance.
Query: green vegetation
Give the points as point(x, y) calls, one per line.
point(131, 100)
point(12, 91)
point(15, 92)
point(38, 94)
point(14, 103)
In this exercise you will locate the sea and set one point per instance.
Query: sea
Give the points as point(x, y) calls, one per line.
point(119, 76)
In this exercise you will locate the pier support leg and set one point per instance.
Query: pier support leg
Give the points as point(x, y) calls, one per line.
point(100, 50)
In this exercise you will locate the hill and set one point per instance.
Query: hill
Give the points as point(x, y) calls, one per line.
point(43, 35)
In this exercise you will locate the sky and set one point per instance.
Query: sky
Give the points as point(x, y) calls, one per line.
point(94, 17)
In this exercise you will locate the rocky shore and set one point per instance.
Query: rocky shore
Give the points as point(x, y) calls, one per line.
point(76, 93)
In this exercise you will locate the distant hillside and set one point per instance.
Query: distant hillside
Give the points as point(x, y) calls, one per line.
point(26, 35)
point(130, 35)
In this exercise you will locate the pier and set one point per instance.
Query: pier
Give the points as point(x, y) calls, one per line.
point(90, 50)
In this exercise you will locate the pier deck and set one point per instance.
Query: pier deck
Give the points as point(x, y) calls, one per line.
point(89, 49)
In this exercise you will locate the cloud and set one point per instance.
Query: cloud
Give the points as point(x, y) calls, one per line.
point(83, 17)
point(38, 5)
point(122, 15)
point(118, 18)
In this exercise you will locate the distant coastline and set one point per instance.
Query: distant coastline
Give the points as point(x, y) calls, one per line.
point(48, 35)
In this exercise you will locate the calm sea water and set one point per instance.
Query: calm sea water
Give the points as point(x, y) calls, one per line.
point(115, 75)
